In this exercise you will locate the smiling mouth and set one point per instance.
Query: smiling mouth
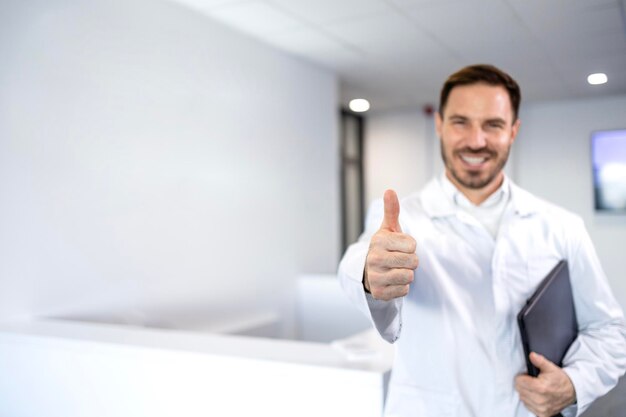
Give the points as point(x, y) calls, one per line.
point(473, 160)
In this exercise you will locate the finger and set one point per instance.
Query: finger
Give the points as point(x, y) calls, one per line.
point(535, 385)
point(390, 292)
point(532, 392)
point(530, 406)
point(392, 212)
point(538, 405)
point(523, 382)
point(542, 363)
point(526, 381)
point(383, 260)
point(532, 401)
point(399, 260)
point(398, 276)
point(393, 241)
point(528, 394)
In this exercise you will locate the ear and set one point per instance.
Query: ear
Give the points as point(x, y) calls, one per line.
point(438, 124)
point(515, 130)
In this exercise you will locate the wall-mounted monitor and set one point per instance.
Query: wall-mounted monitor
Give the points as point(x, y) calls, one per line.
point(608, 150)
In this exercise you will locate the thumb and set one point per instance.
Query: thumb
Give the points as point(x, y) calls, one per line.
point(392, 211)
point(542, 363)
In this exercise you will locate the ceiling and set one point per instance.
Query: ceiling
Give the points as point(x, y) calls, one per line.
point(396, 53)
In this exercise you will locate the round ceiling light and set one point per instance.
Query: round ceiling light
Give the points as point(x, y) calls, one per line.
point(597, 78)
point(359, 105)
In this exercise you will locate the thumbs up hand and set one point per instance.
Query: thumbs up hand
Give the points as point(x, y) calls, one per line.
point(391, 259)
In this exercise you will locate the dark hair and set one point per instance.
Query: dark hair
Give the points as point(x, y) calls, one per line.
point(488, 74)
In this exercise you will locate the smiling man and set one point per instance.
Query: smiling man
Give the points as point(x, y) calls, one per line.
point(444, 274)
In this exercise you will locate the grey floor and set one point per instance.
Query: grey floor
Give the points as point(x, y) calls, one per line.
point(612, 404)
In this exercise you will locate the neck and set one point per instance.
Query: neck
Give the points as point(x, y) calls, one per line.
point(478, 195)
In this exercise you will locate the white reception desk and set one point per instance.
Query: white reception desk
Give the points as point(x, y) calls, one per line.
point(68, 368)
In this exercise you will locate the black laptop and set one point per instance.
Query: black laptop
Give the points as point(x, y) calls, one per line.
point(547, 322)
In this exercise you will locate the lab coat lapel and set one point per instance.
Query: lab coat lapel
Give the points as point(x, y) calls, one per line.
point(438, 205)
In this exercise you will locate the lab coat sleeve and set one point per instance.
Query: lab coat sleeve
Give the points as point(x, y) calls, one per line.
point(597, 358)
point(384, 315)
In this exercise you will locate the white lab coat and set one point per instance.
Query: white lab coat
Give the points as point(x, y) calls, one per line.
point(458, 347)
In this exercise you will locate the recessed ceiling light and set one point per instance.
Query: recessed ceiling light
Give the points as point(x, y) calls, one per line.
point(359, 105)
point(597, 78)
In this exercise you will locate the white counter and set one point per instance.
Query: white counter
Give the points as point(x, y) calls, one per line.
point(53, 368)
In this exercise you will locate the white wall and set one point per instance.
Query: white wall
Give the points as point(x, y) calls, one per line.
point(401, 151)
point(550, 158)
point(554, 162)
point(156, 165)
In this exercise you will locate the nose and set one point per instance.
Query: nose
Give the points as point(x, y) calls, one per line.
point(476, 138)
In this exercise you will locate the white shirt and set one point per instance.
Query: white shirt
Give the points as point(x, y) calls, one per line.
point(489, 212)
point(458, 347)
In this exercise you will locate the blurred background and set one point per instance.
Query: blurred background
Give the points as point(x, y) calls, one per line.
point(182, 164)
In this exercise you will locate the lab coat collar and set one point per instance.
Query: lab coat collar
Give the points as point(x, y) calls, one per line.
point(524, 203)
point(437, 203)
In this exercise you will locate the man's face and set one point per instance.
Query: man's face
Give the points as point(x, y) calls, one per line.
point(476, 132)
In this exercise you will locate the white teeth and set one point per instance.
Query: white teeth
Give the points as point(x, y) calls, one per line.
point(472, 160)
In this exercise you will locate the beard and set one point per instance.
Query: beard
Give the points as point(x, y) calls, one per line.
point(475, 180)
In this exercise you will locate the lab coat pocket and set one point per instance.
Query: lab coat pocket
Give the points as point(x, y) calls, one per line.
point(411, 401)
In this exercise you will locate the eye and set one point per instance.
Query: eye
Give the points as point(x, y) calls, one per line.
point(494, 125)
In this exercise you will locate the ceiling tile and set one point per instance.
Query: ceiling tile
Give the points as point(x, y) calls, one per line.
point(396, 48)
point(318, 47)
point(386, 35)
point(421, 4)
point(590, 47)
point(611, 63)
point(475, 30)
point(255, 17)
point(327, 11)
point(550, 19)
point(205, 5)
